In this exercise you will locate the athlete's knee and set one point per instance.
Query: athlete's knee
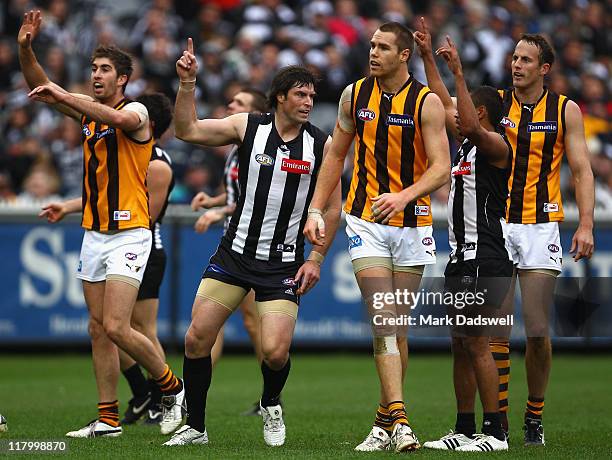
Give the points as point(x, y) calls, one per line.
point(538, 344)
point(116, 330)
point(275, 353)
point(198, 342)
point(95, 329)
point(476, 347)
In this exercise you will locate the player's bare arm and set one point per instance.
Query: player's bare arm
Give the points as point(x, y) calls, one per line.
point(56, 211)
point(187, 127)
point(491, 144)
point(309, 272)
point(159, 176)
point(203, 200)
point(437, 174)
point(422, 38)
point(331, 169)
point(578, 159)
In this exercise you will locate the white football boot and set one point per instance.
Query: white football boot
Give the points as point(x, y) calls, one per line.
point(451, 441)
point(274, 427)
point(95, 429)
point(377, 439)
point(187, 435)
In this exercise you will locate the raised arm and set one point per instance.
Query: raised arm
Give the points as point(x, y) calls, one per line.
point(423, 40)
point(187, 127)
point(578, 159)
point(491, 144)
point(331, 169)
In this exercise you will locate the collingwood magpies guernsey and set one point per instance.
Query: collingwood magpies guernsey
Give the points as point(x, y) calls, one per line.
point(230, 179)
point(159, 154)
point(276, 180)
point(476, 205)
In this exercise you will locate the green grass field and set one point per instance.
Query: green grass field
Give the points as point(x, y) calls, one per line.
point(329, 400)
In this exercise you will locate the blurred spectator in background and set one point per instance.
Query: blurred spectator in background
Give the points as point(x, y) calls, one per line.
point(244, 42)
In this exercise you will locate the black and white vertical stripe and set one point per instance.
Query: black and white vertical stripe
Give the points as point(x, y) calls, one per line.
point(476, 205)
point(273, 203)
point(160, 154)
point(230, 179)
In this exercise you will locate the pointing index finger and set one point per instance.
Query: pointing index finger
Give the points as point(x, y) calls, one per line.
point(190, 45)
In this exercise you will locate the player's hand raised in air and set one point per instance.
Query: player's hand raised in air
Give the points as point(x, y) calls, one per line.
point(451, 56)
point(423, 39)
point(29, 28)
point(49, 94)
point(187, 65)
point(53, 212)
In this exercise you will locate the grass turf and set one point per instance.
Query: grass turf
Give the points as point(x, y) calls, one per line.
point(330, 402)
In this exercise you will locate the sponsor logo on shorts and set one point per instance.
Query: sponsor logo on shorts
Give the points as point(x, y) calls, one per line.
point(86, 130)
point(289, 291)
point(295, 166)
point(420, 210)
point(507, 123)
point(264, 160)
point(80, 267)
point(551, 207)
point(122, 215)
point(215, 269)
point(289, 282)
point(542, 127)
point(285, 247)
point(468, 247)
point(130, 256)
point(427, 241)
point(553, 248)
point(366, 115)
point(462, 169)
point(399, 119)
point(355, 241)
point(134, 268)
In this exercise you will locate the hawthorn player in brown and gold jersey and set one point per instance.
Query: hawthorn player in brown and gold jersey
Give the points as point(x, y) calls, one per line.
point(401, 156)
point(540, 126)
point(117, 241)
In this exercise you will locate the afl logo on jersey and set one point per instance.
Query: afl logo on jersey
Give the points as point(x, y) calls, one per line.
point(366, 115)
point(86, 130)
point(507, 123)
point(264, 160)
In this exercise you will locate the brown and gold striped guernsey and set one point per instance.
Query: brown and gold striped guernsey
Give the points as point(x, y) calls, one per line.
point(536, 133)
point(114, 177)
point(389, 151)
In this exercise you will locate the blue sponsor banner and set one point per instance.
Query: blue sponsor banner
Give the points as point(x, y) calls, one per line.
point(42, 301)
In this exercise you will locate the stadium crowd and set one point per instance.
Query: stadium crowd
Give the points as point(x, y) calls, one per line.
point(245, 42)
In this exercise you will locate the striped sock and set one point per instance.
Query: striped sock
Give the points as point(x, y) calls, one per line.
point(383, 419)
point(535, 407)
point(169, 383)
point(501, 355)
point(397, 412)
point(108, 412)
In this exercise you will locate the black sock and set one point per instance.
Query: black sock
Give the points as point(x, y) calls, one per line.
point(491, 425)
point(137, 382)
point(156, 393)
point(274, 381)
point(196, 374)
point(466, 423)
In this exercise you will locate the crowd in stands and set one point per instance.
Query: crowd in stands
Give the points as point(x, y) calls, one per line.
point(242, 43)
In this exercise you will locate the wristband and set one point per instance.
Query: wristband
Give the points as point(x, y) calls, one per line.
point(316, 257)
point(187, 85)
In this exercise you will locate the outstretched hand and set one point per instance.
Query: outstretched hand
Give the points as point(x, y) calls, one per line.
point(451, 56)
point(187, 65)
point(423, 39)
point(29, 28)
point(49, 94)
point(53, 212)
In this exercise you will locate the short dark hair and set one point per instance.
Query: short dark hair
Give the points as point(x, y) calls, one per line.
point(259, 104)
point(546, 54)
point(488, 97)
point(160, 111)
point(403, 35)
point(120, 59)
point(293, 76)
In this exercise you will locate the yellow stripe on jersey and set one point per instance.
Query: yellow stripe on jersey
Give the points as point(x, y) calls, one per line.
point(536, 133)
point(389, 150)
point(114, 178)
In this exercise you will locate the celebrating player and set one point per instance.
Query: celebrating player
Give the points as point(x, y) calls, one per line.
point(263, 249)
point(117, 148)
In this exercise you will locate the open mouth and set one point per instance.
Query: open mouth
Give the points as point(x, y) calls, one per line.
point(98, 86)
point(374, 65)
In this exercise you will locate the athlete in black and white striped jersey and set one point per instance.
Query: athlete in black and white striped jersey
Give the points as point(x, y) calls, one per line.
point(476, 206)
point(263, 248)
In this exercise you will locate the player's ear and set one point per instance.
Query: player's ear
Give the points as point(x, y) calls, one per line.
point(482, 112)
point(405, 55)
point(122, 80)
point(544, 68)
